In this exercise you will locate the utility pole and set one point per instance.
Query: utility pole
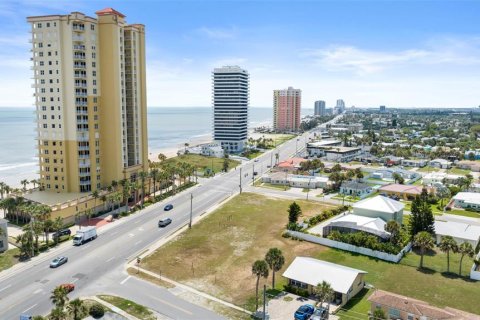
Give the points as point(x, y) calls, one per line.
point(191, 211)
point(240, 185)
point(264, 301)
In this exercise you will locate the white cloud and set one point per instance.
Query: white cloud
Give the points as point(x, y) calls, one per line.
point(217, 33)
point(364, 61)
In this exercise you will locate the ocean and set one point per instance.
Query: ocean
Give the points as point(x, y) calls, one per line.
point(168, 128)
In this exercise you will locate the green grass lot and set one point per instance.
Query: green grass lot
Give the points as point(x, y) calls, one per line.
point(281, 138)
point(217, 253)
point(202, 162)
point(437, 211)
point(258, 183)
point(9, 258)
point(356, 307)
point(129, 307)
point(428, 169)
point(455, 170)
point(432, 284)
point(253, 155)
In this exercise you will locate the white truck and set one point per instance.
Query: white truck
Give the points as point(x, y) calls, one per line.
point(85, 234)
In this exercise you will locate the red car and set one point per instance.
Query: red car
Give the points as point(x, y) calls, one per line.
point(68, 286)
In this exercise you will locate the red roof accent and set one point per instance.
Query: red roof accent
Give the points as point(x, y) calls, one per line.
point(107, 11)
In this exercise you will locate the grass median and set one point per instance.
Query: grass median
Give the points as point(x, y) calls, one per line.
point(130, 307)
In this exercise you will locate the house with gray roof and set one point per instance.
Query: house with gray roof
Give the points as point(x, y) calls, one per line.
point(355, 189)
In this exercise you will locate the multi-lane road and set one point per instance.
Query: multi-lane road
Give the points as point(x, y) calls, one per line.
point(98, 266)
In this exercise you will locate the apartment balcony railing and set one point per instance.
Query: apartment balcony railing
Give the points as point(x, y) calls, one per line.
point(78, 47)
point(84, 164)
point(79, 57)
point(83, 156)
point(82, 112)
point(80, 66)
point(83, 148)
point(80, 94)
point(84, 174)
point(78, 103)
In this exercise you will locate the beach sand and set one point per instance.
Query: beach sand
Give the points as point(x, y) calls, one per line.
point(172, 151)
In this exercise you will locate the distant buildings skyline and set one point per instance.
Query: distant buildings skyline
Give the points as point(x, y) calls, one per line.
point(287, 104)
point(91, 130)
point(319, 108)
point(230, 107)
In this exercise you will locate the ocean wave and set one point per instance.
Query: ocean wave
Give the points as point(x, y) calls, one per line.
point(15, 166)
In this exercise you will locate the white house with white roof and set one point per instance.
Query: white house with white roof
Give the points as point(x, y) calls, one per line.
point(380, 207)
point(355, 223)
point(461, 232)
point(306, 273)
point(467, 200)
point(440, 163)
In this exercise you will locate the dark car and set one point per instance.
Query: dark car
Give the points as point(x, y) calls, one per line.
point(58, 261)
point(304, 312)
point(320, 314)
point(63, 232)
point(168, 207)
point(164, 223)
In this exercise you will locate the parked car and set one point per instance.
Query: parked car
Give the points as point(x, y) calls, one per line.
point(68, 286)
point(63, 232)
point(304, 312)
point(58, 261)
point(168, 207)
point(164, 223)
point(320, 314)
point(255, 173)
point(256, 160)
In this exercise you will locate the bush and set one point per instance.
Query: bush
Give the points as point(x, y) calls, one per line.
point(96, 310)
point(325, 215)
point(297, 291)
point(364, 240)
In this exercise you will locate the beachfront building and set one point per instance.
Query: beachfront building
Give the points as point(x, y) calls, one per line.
point(230, 107)
point(286, 109)
point(90, 98)
point(320, 108)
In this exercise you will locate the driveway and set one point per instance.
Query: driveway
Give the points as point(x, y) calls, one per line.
point(283, 307)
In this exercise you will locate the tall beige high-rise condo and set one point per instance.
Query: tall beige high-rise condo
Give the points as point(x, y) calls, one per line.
point(286, 109)
point(90, 97)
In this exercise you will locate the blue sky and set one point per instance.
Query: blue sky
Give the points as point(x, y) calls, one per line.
point(370, 53)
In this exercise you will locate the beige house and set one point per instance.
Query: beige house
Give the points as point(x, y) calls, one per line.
point(396, 306)
point(306, 273)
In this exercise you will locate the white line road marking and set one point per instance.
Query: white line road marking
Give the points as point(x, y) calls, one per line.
point(110, 259)
point(125, 280)
point(37, 291)
point(24, 311)
point(173, 306)
point(5, 288)
point(76, 279)
point(131, 235)
point(138, 242)
point(140, 229)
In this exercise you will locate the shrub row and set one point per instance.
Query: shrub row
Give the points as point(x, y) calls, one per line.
point(296, 291)
point(325, 215)
point(365, 240)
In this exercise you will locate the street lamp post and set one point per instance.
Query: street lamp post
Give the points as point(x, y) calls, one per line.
point(191, 211)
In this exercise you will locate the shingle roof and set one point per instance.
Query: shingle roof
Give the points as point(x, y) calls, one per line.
point(313, 271)
point(380, 203)
point(418, 307)
point(355, 185)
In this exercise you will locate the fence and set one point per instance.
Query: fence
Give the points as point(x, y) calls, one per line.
point(351, 248)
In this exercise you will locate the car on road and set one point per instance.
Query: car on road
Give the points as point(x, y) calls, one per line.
point(58, 261)
point(320, 314)
point(68, 286)
point(168, 207)
point(63, 232)
point(256, 160)
point(164, 223)
point(255, 173)
point(304, 312)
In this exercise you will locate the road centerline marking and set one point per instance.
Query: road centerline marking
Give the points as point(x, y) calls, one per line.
point(5, 288)
point(125, 280)
point(24, 311)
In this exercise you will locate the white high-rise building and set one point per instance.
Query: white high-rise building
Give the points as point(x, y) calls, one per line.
point(230, 107)
point(319, 108)
point(340, 105)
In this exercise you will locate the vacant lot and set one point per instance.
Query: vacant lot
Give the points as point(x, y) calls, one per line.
point(202, 162)
point(130, 307)
point(432, 284)
point(216, 255)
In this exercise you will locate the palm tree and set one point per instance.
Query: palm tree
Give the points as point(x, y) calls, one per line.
point(114, 184)
point(153, 176)
point(76, 308)
point(424, 240)
point(95, 196)
point(186, 146)
point(59, 297)
point(324, 292)
point(103, 198)
point(24, 182)
point(25, 240)
point(57, 314)
point(38, 318)
point(126, 188)
point(34, 182)
point(259, 269)
point(57, 226)
point(2, 189)
point(393, 227)
point(448, 244)
point(143, 176)
point(161, 157)
point(465, 249)
point(135, 186)
point(275, 261)
point(47, 226)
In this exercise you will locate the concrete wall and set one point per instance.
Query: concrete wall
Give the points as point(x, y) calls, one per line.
point(348, 247)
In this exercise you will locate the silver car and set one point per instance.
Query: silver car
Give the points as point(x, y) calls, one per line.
point(58, 261)
point(319, 314)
